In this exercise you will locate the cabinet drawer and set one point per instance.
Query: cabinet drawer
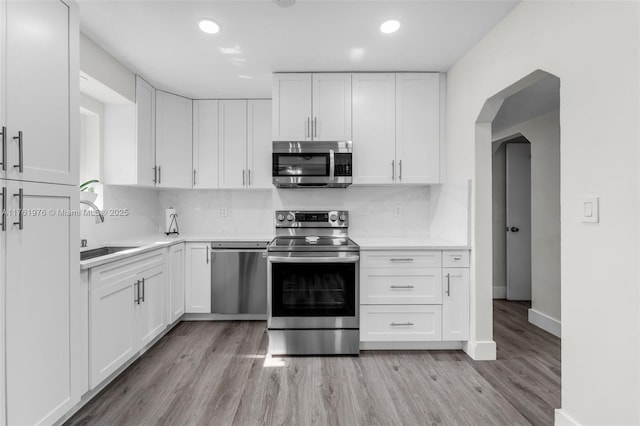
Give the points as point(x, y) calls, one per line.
point(455, 258)
point(400, 323)
point(391, 286)
point(401, 259)
point(108, 273)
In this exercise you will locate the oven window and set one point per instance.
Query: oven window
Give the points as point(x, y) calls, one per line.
point(300, 164)
point(313, 289)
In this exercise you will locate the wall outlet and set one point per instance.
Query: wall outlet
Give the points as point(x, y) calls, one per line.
point(397, 211)
point(222, 212)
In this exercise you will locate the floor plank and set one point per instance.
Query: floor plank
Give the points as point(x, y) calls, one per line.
point(218, 373)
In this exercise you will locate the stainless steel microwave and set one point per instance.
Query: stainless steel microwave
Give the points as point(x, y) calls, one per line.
point(312, 164)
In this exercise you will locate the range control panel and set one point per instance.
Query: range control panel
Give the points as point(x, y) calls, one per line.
point(312, 219)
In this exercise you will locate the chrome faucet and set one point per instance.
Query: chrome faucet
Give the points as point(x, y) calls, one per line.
point(99, 217)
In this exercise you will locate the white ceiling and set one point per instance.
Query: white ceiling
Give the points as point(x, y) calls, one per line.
point(161, 41)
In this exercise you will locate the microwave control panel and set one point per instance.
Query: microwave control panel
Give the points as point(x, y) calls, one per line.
point(342, 165)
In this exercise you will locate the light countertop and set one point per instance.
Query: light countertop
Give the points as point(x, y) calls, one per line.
point(152, 242)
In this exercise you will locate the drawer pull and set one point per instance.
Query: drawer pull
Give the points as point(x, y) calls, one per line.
point(401, 286)
point(448, 284)
point(402, 259)
point(457, 258)
point(400, 324)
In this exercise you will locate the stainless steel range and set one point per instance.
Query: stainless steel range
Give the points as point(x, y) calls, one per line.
point(313, 285)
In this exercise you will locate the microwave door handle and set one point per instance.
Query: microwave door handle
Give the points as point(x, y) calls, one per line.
point(332, 164)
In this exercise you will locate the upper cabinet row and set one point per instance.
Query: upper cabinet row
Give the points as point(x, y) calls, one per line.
point(393, 120)
point(169, 141)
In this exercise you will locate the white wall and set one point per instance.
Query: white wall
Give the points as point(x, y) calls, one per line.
point(142, 220)
point(544, 134)
point(593, 48)
point(104, 68)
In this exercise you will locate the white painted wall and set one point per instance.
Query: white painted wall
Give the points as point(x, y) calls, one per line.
point(593, 48)
point(544, 134)
point(101, 66)
point(143, 219)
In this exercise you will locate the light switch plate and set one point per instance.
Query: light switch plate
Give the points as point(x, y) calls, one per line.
point(590, 209)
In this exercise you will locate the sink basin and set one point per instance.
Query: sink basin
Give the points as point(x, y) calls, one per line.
point(102, 251)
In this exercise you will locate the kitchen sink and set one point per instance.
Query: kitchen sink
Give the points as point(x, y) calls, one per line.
point(102, 251)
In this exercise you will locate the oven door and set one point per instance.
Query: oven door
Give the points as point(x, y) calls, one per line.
point(311, 290)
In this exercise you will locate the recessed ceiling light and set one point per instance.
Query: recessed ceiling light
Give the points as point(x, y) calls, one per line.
point(390, 26)
point(209, 26)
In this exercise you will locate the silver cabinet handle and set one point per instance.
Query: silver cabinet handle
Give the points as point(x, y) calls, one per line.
point(401, 259)
point(248, 177)
point(4, 148)
point(306, 129)
point(159, 175)
point(400, 172)
point(194, 177)
point(402, 286)
point(20, 196)
point(243, 179)
point(20, 159)
point(207, 255)
point(398, 324)
point(3, 225)
point(136, 287)
point(315, 127)
point(393, 170)
point(155, 174)
point(448, 284)
point(142, 299)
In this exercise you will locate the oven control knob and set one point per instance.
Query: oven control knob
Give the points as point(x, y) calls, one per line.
point(343, 218)
point(333, 217)
point(280, 217)
point(289, 217)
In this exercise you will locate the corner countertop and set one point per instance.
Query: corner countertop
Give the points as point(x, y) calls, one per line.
point(407, 243)
point(145, 244)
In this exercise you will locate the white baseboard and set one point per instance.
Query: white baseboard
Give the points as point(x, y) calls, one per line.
point(484, 350)
point(564, 419)
point(374, 346)
point(499, 292)
point(545, 322)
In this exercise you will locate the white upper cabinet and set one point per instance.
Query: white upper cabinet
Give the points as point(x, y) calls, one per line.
point(233, 143)
point(259, 144)
point(291, 107)
point(40, 119)
point(129, 147)
point(374, 128)
point(205, 144)
point(331, 119)
point(418, 128)
point(174, 126)
point(312, 106)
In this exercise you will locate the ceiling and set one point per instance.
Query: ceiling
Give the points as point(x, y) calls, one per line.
point(160, 39)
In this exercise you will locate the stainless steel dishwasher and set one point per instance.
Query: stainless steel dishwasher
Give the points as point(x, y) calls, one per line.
point(239, 277)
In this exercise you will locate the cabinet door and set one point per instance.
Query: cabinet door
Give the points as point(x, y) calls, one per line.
point(176, 282)
point(455, 304)
point(151, 316)
point(374, 128)
point(291, 107)
point(418, 128)
point(42, 302)
point(233, 144)
point(113, 337)
point(259, 144)
point(198, 279)
point(331, 119)
point(40, 102)
point(174, 126)
point(205, 144)
point(145, 122)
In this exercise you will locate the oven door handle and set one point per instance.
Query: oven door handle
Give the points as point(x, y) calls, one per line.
point(282, 259)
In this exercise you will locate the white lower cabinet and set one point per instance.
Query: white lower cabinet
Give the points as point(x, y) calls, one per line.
point(127, 311)
point(404, 323)
point(176, 282)
point(455, 304)
point(408, 296)
point(198, 279)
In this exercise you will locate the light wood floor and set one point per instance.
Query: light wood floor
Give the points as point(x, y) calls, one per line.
point(216, 373)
